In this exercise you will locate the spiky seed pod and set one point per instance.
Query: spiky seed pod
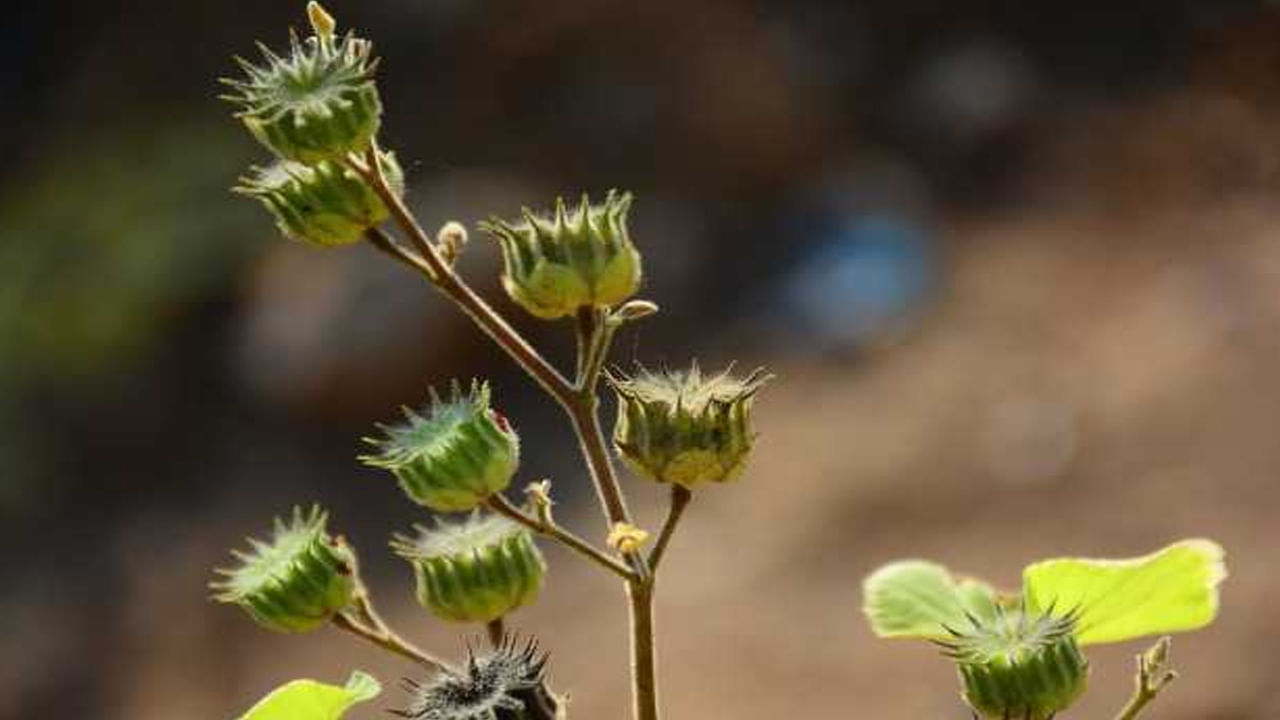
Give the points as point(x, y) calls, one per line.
point(489, 684)
point(681, 427)
point(318, 103)
point(476, 571)
point(455, 457)
point(577, 257)
point(1016, 665)
point(296, 582)
point(324, 204)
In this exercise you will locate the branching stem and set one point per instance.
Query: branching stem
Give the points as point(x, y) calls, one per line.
point(363, 620)
point(388, 640)
point(578, 405)
point(502, 506)
point(578, 399)
point(1152, 677)
point(442, 275)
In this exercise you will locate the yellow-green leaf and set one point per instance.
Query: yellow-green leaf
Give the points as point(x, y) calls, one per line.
point(1172, 590)
point(311, 700)
point(918, 599)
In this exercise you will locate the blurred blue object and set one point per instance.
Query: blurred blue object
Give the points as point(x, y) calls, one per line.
point(861, 283)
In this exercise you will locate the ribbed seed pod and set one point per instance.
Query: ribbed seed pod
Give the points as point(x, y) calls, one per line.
point(297, 581)
point(681, 427)
point(475, 571)
point(318, 103)
point(1019, 666)
point(456, 456)
point(324, 204)
point(578, 257)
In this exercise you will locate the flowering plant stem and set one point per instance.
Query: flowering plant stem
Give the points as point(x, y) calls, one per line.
point(363, 620)
point(1152, 677)
point(551, 529)
point(578, 398)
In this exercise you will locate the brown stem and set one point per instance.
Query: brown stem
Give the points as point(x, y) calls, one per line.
point(680, 497)
point(384, 638)
point(388, 246)
point(443, 276)
point(595, 333)
point(586, 425)
point(1152, 677)
point(643, 656)
point(502, 506)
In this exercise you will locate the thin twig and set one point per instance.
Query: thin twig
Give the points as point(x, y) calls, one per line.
point(680, 497)
point(378, 238)
point(595, 335)
point(501, 505)
point(1153, 675)
point(387, 640)
point(364, 605)
point(443, 276)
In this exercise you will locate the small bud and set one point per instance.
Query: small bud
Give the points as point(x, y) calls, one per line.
point(296, 582)
point(476, 571)
point(323, 204)
point(451, 238)
point(456, 456)
point(626, 538)
point(1153, 668)
point(539, 495)
point(319, 103)
point(679, 427)
point(634, 310)
point(579, 257)
point(1019, 666)
point(321, 21)
point(1157, 656)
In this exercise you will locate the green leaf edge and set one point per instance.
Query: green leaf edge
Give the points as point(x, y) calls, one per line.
point(360, 687)
point(941, 606)
point(1093, 628)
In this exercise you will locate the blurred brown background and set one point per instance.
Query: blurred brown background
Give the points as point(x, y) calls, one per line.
point(1016, 266)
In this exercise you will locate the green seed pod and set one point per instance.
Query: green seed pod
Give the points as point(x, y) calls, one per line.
point(679, 427)
point(476, 571)
point(1019, 666)
point(319, 103)
point(295, 583)
point(456, 457)
point(579, 257)
point(324, 204)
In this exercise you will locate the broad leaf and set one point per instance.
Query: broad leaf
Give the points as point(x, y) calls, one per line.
point(311, 700)
point(918, 599)
point(1172, 590)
